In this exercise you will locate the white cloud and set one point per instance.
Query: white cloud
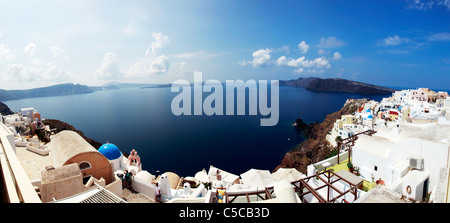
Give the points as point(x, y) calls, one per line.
point(283, 61)
point(5, 54)
point(440, 36)
point(337, 56)
point(200, 55)
point(152, 63)
point(303, 47)
point(284, 49)
point(31, 49)
point(189, 55)
point(309, 71)
point(261, 57)
point(393, 41)
point(59, 54)
point(182, 65)
point(323, 52)
point(319, 62)
point(242, 62)
point(148, 66)
point(25, 73)
point(50, 69)
point(425, 5)
point(420, 4)
point(299, 70)
point(446, 3)
point(330, 42)
point(21, 72)
point(159, 65)
point(160, 41)
point(108, 69)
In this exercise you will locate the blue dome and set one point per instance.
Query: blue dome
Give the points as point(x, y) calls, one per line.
point(110, 151)
point(370, 116)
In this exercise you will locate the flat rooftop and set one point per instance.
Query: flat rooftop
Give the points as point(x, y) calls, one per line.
point(412, 135)
point(381, 194)
point(32, 163)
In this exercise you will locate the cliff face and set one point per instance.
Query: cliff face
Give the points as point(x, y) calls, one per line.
point(316, 148)
point(346, 86)
point(4, 109)
point(60, 126)
point(336, 85)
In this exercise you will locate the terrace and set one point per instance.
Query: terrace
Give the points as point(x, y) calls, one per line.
point(366, 186)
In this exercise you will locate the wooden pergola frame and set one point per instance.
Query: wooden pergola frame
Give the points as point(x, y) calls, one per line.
point(302, 184)
point(267, 194)
point(351, 140)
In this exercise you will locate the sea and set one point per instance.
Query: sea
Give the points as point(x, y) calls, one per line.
point(141, 119)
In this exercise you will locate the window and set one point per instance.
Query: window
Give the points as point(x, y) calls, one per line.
point(84, 165)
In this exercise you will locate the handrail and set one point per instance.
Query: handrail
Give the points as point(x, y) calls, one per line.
point(9, 184)
point(17, 176)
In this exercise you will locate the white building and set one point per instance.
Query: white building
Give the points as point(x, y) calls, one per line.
point(394, 154)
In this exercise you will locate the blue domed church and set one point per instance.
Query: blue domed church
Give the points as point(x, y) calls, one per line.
point(112, 153)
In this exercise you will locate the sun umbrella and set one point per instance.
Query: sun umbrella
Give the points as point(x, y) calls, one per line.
point(202, 176)
point(227, 177)
point(257, 178)
point(289, 174)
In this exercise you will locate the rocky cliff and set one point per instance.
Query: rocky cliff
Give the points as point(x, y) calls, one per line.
point(60, 126)
point(336, 85)
point(4, 109)
point(346, 86)
point(316, 148)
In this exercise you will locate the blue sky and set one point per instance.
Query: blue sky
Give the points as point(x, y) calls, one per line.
point(389, 43)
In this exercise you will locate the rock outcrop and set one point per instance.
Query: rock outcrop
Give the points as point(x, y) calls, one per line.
point(346, 86)
point(4, 109)
point(60, 126)
point(336, 85)
point(299, 124)
point(316, 148)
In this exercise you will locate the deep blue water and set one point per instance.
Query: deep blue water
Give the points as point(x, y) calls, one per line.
point(141, 119)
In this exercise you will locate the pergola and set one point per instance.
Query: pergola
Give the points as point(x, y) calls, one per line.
point(328, 178)
point(350, 142)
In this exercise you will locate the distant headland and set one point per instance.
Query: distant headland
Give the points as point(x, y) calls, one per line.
point(55, 90)
point(68, 89)
point(310, 83)
point(336, 85)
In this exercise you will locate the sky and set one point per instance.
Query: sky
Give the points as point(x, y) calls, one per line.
point(403, 43)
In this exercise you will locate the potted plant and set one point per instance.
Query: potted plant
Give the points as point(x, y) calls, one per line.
point(350, 167)
point(338, 139)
